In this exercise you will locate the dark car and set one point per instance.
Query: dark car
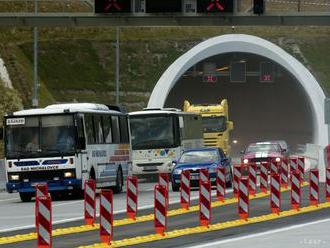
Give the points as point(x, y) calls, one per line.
point(194, 160)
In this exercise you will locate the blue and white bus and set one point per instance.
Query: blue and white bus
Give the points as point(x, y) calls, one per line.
point(65, 144)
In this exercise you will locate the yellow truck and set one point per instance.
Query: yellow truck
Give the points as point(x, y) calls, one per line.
point(216, 124)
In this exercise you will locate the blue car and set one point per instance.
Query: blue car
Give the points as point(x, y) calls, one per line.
point(193, 160)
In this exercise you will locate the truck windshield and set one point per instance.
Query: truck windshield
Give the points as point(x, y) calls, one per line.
point(149, 132)
point(38, 136)
point(214, 124)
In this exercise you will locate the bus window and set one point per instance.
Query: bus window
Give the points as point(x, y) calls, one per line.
point(81, 142)
point(107, 129)
point(89, 129)
point(98, 129)
point(123, 129)
point(57, 133)
point(115, 129)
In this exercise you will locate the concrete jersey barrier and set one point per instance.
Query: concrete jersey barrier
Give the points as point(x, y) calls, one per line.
point(2, 175)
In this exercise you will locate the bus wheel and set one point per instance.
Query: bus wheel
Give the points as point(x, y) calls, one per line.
point(119, 181)
point(25, 197)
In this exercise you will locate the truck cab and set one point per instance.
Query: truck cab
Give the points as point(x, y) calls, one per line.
point(216, 124)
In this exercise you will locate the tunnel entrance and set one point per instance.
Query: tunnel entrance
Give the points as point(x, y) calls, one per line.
point(268, 102)
point(306, 104)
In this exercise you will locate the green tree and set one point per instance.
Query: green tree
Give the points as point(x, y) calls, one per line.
point(9, 102)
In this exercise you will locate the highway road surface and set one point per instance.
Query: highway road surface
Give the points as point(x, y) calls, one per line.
point(220, 214)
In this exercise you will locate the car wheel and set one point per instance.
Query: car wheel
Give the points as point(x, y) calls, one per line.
point(175, 187)
point(25, 197)
point(229, 184)
point(119, 181)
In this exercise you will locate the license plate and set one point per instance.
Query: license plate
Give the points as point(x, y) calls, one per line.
point(194, 177)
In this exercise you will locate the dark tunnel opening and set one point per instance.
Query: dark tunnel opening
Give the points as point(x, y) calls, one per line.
point(277, 108)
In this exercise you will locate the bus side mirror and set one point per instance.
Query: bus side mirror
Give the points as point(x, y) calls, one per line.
point(230, 125)
point(81, 144)
point(1, 133)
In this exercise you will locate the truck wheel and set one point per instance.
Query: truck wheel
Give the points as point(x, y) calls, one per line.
point(119, 181)
point(25, 197)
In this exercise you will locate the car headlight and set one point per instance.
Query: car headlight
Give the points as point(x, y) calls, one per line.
point(245, 161)
point(177, 171)
point(14, 177)
point(68, 174)
point(278, 159)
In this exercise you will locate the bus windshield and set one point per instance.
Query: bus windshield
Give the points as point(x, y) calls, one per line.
point(149, 132)
point(214, 124)
point(37, 136)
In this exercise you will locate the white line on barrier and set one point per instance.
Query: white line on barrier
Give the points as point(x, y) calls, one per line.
point(9, 199)
point(259, 234)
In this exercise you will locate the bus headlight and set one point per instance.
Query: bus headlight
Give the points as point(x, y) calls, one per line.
point(245, 161)
point(278, 159)
point(14, 177)
point(68, 174)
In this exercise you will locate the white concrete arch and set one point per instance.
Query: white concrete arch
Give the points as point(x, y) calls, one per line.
point(246, 44)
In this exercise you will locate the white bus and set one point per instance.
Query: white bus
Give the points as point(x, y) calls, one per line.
point(65, 144)
point(160, 135)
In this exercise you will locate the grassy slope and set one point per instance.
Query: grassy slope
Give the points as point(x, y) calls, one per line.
point(79, 64)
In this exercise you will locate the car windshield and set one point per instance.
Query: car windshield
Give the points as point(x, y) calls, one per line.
point(199, 157)
point(263, 148)
point(37, 136)
point(152, 132)
point(214, 124)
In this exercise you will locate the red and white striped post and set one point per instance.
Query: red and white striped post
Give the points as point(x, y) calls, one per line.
point(314, 187)
point(90, 201)
point(243, 198)
point(132, 196)
point(252, 179)
point(204, 175)
point(185, 189)
point(44, 222)
point(237, 171)
point(41, 190)
point(106, 216)
point(327, 187)
point(160, 210)
point(164, 180)
point(275, 193)
point(301, 168)
point(295, 190)
point(263, 177)
point(284, 173)
point(205, 203)
point(221, 183)
point(274, 166)
point(293, 164)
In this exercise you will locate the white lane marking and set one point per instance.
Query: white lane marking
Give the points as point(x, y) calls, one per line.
point(68, 203)
point(260, 234)
point(19, 228)
point(10, 199)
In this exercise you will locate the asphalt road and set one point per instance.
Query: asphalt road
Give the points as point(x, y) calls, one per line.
point(15, 215)
point(220, 214)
